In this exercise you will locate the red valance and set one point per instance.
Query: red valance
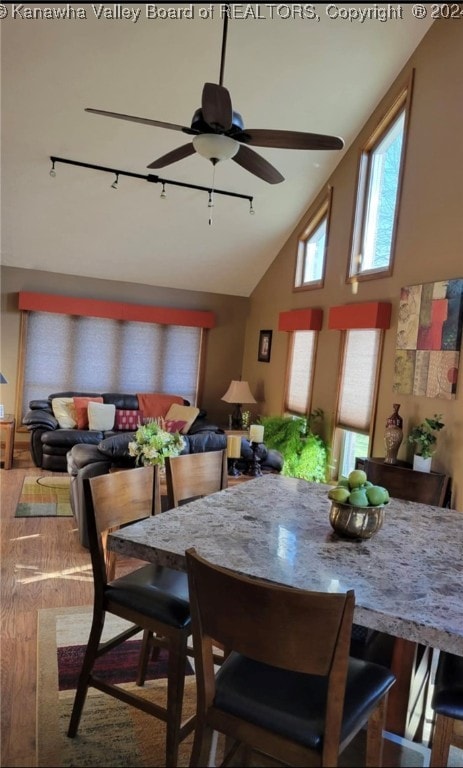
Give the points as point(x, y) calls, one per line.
point(300, 320)
point(115, 310)
point(371, 314)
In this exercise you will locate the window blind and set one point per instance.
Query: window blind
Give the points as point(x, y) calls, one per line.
point(358, 377)
point(69, 352)
point(300, 372)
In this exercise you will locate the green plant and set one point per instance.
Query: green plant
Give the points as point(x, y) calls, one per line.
point(423, 435)
point(153, 444)
point(305, 453)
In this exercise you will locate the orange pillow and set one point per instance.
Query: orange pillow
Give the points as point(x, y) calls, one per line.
point(81, 405)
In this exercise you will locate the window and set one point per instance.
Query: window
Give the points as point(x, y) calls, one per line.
point(70, 352)
point(300, 372)
point(357, 395)
point(312, 247)
point(378, 193)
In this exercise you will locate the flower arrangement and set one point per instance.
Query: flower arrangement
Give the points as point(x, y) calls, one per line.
point(423, 436)
point(153, 444)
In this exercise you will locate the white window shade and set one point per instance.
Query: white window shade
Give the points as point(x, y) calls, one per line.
point(91, 354)
point(358, 378)
point(300, 372)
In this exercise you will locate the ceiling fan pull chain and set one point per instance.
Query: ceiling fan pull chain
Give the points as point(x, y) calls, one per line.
point(210, 203)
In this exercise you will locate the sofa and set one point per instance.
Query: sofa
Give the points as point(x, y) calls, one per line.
point(85, 461)
point(57, 424)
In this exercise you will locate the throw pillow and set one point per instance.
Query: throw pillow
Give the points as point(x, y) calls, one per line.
point(81, 406)
point(127, 420)
point(187, 413)
point(64, 412)
point(174, 426)
point(101, 416)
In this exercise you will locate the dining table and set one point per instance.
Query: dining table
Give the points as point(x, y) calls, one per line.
point(407, 578)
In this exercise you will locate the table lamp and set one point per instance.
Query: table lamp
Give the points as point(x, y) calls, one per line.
point(238, 393)
point(2, 409)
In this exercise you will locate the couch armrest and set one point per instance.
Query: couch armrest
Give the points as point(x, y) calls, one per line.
point(40, 405)
point(45, 419)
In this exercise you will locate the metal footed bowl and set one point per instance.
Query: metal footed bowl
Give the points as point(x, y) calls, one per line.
point(356, 522)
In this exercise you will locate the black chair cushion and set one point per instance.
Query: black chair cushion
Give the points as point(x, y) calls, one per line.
point(448, 692)
point(161, 593)
point(291, 703)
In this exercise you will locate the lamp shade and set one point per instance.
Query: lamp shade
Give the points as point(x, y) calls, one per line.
point(238, 392)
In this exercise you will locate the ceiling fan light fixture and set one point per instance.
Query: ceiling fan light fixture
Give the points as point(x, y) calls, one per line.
point(215, 146)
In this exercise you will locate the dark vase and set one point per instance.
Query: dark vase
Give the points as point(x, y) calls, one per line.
point(393, 435)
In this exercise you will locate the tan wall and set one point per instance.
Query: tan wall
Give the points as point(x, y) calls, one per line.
point(224, 345)
point(429, 247)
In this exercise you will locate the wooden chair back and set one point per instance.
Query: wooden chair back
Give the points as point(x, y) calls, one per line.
point(113, 500)
point(291, 629)
point(192, 475)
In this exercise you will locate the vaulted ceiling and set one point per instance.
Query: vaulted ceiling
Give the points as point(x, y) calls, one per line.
point(324, 75)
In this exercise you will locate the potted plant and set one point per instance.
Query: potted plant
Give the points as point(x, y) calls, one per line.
point(424, 437)
point(305, 453)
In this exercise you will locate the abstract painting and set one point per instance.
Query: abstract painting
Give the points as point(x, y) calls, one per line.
point(429, 332)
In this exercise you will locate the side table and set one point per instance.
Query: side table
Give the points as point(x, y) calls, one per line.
point(7, 425)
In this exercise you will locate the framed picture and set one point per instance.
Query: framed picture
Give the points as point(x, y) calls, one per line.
point(265, 345)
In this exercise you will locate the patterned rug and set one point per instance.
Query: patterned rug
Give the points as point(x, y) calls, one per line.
point(46, 496)
point(112, 733)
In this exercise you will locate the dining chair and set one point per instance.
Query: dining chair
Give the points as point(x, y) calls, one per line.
point(155, 599)
point(287, 687)
point(447, 703)
point(192, 475)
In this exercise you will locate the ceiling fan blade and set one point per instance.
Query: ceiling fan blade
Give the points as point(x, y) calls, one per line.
point(216, 106)
point(171, 157)
point(288, 139)
point(257, 165)
point(144, 120)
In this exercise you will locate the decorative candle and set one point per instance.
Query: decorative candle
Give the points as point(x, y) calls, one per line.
point(256, 433)
point(233, 446)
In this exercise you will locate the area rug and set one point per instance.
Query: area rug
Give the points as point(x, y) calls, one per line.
point(44, 496)
point(111, 733)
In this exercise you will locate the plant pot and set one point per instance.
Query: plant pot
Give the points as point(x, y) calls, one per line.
point(420, 464)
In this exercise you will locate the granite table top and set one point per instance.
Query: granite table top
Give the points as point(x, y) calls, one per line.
point(408, 578)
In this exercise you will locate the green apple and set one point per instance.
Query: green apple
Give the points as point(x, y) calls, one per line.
point(358, 498)
point(339, 494)
point(376, 495)
point(343, 482)
point(356, 478)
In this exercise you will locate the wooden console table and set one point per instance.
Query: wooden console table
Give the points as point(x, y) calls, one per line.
point(7, 425)
point(403, 482)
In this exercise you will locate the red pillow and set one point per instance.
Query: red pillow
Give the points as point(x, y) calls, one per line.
point(174, 426)
point(81, 405)
point(127, 419)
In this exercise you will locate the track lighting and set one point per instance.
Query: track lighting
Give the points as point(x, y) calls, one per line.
point(251, 209)
point(153, 180)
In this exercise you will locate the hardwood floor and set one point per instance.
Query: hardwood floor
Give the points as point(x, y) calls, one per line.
point(42, 566)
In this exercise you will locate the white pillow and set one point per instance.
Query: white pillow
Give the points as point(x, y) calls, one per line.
point(186, 413)
point(64, 412)
point(101, 416)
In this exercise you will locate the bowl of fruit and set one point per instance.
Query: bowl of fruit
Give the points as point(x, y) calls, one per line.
point(357, 506)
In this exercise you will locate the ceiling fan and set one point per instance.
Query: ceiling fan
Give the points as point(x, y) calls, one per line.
point(219, 133)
